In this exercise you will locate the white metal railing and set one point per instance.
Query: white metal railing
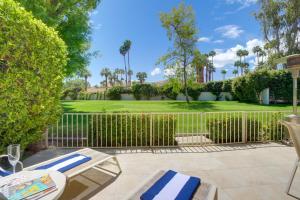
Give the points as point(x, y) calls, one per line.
point(124, 130)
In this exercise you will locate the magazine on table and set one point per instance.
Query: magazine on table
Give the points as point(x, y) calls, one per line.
point(31, 190)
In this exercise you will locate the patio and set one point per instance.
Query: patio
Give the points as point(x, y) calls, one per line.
point(251, 171)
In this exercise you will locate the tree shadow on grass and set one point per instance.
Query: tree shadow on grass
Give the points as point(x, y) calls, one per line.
point(193, 106)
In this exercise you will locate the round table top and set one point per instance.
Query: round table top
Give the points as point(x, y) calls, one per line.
point(23, 176)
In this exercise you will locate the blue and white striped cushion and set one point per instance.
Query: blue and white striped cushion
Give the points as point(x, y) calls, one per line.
point(67, 163)
point(3, 172)
point(172, 185)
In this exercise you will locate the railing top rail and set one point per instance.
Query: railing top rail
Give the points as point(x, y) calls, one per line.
point(215, 112)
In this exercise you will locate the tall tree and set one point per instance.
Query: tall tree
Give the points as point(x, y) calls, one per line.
point(240, 53)
point(130, 73)
point(238, 64)
point(85, 73)
point(181, 29)
point(106, 73)
point(127, 46)
point(223, 72)
point(235, 72)
point(71, 19)
point(141, 76)
point(280, 24)
point(256, 50)
point(198, 63)
point(123, 52)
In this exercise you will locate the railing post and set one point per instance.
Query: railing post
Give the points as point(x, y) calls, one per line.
point(244, 127)
point(151, 127)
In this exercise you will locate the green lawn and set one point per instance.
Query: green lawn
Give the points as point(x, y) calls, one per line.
point(166, 106)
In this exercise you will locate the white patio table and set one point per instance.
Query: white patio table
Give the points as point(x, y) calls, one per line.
point(23, 176)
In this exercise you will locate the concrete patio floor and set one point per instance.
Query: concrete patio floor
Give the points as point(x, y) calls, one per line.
point(241, 172)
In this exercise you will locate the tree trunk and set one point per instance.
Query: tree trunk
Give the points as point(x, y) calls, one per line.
point(128, 79)
point(185, 82)
point(86, 83)
point(125, 70)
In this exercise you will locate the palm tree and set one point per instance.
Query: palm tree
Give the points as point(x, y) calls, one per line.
point(122, 72)
point(127, 46)
point(123, 52)
point(106, 73)
point(237, 64)
point(256, 50)
point(85, 73)
point(223, 72)
point(245, 64)
point(239, 53)
point(235, 72)
point(198, 63)
point(211, 54)
point(130, 73)
point(141, 76)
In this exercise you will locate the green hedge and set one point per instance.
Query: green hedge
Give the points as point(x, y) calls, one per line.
point(229, 130)
point(247, 88)
point(32, 63)
point(144, 91)
point(111, 130)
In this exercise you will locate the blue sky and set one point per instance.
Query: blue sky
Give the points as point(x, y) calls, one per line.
point(224, 26)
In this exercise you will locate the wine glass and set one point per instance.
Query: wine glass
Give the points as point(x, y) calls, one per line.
point(13, 152)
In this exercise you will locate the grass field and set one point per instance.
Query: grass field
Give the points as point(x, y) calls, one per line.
point(167, 106)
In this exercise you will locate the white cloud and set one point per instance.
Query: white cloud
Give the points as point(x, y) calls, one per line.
point(170, 72)
point(230, 31)
point(203, 39)
point(218, 41)
point(156, 71)
point(243, 3)
point(226, 58)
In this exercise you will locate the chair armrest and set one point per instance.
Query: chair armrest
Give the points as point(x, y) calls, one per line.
point(19, 162)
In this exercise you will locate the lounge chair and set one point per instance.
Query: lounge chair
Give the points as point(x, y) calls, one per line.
point(4, 172)
point(91, 160)
point(295, 135)
point(205, 191)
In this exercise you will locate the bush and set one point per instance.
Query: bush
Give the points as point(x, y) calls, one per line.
point(32, 63)
point(194, 90)
point(229, 129)
point(114, 93)
point(172, 88)
point(242, 90)
point(113, 131)
point(144, 91)
point(215, 87)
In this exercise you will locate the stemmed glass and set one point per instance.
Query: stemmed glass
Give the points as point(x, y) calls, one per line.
point(13, 152)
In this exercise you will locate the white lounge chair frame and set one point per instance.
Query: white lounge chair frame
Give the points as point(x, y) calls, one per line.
point(293, 130)
point(205, 191)
point(19, 162)
point(98, 158)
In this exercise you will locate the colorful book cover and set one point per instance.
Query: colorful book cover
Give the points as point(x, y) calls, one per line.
point(30, 188)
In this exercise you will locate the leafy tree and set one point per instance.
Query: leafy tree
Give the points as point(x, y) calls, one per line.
point(71, 19)
point(280, 25)
point(223, 72)
point(85, 73)
point(141, 76)
point(181, 29)
point(106, 73)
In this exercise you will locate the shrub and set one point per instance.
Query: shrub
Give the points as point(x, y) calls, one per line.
point(32, 62)
point(229, 129)
point(171, 89)
point(242, 90)
point(214, 87)
point(194, 90)
point(114, 130)
point(114, 93)
point(144, 90)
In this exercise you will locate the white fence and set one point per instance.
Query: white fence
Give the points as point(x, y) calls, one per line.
point(124, 130)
